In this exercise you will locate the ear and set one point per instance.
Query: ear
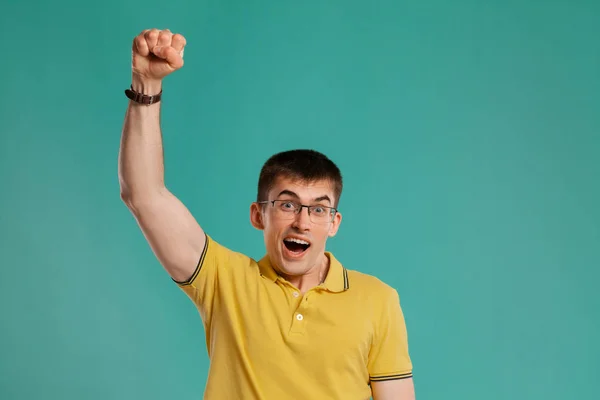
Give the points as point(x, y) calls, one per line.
point(256, 216)
point(335, 225)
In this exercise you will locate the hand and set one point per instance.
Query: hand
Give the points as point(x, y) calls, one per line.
point(156, 54)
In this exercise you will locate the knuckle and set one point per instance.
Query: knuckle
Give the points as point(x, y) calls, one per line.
point(179, 37)
point(140, 41)
point(164, 35)
point(152, 34)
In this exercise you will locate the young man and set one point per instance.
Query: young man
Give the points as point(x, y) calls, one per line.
point(295, 324)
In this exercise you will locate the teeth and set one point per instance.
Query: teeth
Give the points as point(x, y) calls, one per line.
point(296, 241)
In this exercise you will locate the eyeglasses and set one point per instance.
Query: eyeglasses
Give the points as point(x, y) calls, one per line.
point(287, 209)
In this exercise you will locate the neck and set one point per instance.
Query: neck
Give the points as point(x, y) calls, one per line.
point(313, 278)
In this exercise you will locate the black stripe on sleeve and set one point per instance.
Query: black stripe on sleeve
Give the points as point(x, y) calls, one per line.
point(198, 266)
point(346, 282)
point(381, 378)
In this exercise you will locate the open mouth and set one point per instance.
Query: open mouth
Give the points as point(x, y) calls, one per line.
point(296, 246)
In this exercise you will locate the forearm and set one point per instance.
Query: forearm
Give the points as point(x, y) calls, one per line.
point(141, 161)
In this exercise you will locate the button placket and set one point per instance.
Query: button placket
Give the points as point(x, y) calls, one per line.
point(298, 322)
point(300, 318)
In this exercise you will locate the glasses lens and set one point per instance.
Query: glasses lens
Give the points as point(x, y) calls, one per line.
point(320, 214)
point(286, 209)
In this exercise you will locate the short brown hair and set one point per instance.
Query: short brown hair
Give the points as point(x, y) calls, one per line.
point(301, 164)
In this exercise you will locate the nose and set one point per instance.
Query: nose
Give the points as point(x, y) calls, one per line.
point(302, 220)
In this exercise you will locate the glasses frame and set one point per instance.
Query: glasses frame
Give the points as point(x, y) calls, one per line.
point(332, 210)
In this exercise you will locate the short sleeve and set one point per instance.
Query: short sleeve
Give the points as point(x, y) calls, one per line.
point(389, 357)
point(202, 286)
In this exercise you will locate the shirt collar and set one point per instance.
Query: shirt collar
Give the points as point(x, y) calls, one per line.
point(336, 280)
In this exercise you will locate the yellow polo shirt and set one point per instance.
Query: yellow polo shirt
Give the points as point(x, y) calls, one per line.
point(267, 341)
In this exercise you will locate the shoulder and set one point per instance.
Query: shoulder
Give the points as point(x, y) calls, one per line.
point(222, 261)
point(371, 286)
point(366, 281)
point(216, 250)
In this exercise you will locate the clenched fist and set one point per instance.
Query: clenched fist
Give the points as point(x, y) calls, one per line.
point(156, 54)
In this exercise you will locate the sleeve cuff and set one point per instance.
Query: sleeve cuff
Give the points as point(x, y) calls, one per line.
point(390, 377)
point(198, 265)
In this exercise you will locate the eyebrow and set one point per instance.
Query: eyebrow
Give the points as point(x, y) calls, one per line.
point(290, 193)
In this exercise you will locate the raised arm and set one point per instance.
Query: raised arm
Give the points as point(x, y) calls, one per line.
point(172, 232)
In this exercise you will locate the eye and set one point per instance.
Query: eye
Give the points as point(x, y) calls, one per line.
point(319, 210)
point(288, 205)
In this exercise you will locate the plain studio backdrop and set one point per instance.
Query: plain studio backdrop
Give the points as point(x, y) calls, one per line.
point(468, 134)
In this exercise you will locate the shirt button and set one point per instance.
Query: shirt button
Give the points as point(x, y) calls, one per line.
point(296, 294)
point(299, 317)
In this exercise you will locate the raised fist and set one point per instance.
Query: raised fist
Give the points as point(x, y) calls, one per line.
point(156, 53)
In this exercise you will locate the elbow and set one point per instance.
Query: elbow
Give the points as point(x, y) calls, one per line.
point(135, 201)
point(127, 196)
point(125, 191)
point(127, 199)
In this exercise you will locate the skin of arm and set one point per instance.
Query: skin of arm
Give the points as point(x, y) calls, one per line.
point(170, 229)
point(401, 389)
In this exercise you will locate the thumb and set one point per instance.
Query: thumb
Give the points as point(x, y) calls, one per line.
point(170, 55)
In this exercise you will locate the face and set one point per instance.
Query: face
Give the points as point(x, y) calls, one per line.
point(286, 235)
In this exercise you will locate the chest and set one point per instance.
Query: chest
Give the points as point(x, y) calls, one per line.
point(277, 325)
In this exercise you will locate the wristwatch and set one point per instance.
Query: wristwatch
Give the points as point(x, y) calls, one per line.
point(142, 98)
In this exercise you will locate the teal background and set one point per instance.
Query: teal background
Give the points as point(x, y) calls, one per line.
point(468, 134)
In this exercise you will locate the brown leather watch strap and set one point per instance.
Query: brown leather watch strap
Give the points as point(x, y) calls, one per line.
point(142, 98)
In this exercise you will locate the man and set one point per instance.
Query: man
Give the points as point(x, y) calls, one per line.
point(295, 324)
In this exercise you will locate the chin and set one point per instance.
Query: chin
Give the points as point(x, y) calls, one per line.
point(293, 268)
point(295, 264)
